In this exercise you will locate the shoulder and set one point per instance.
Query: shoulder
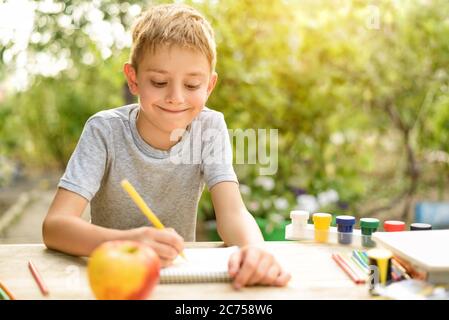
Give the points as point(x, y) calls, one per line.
point(106, 119)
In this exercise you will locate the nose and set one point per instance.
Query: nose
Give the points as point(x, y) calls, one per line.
point(174, 95)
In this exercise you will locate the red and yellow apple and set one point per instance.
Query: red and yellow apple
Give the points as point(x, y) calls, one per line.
point(123, 270)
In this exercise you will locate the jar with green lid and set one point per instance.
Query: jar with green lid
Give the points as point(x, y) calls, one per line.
point(368, 226)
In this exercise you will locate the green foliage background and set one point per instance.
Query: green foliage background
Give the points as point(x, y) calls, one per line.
point(360, 110)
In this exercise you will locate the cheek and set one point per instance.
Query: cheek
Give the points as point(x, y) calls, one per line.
point(197, 98)
point(151, 94)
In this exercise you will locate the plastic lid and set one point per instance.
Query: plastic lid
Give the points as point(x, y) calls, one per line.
point(379, 254)
point(381, 258)
point(394, 225)
point(372, 223)
point(322, 220)
point(420, 226)
point(345, 220)
point(299, 214)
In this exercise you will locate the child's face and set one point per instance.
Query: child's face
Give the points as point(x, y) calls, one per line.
point(173, 85)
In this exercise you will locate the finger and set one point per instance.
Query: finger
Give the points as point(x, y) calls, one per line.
point(164, 251)
point(271, 275)
point(234, 263)
point(283, 278)
point(249, 265)
point(261, 270)
point(166, 263)
point(179, 245)
point(171, 230)
point(169, 238)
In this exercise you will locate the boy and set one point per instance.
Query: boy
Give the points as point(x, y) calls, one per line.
point(171, 70)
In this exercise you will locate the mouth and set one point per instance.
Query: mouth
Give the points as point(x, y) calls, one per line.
point(173, 111)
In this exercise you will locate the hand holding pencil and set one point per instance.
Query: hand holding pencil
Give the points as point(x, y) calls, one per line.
point(163, 237)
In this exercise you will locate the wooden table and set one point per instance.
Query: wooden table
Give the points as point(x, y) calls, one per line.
point(314, 275)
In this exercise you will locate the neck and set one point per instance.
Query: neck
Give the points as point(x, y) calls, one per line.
point(152, 135)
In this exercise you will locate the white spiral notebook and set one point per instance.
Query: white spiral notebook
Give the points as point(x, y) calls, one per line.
point(202, 265)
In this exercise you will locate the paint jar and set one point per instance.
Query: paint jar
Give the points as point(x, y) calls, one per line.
point(394, 226)
point(420, 226)
point(345, 225)
point(299, 217)
point(322, 222)
point(299, 223)
point(380, 267)
point(368, 226)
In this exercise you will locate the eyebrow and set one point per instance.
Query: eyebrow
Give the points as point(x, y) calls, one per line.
point(195, 73)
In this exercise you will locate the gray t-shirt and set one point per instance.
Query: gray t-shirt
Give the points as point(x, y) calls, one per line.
point(110, 149)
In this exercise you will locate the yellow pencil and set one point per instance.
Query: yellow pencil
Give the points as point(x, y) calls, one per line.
point(143, 207)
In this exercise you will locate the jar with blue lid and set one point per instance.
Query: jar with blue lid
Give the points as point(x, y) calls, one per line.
point(345, 225)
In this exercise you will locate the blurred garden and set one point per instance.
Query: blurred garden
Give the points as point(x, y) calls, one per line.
point(358, 90)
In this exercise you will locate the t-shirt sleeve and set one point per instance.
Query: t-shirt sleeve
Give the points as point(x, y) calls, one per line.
point(216, 156)
point(88, 163)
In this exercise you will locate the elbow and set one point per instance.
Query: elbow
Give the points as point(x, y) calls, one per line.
point(46, 233)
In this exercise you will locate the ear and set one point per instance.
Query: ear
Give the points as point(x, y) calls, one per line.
point(212, 82)
point(131, 78)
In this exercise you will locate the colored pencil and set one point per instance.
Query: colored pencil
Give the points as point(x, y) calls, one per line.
point(340, 262)
point(7, 291)
point(360, 259)
point(3, 295)
point(38, 278)
point(365, 256)
point(396, 275)
point(400, 268)
point(347, 268)
point(127, 186)
point(354, 267)
point(359, 266)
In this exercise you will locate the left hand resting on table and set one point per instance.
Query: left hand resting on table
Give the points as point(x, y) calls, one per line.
point(253, 265)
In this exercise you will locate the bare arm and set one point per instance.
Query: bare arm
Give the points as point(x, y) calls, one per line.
point(235, 225)
point(252, 264)
point(64, 230)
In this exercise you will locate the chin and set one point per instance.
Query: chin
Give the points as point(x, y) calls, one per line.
point(168, 125)
point(176, 127)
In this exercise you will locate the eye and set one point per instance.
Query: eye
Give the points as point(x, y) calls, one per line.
point(158, 84)
point(191, 87)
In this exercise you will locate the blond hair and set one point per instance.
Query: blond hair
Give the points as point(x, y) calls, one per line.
point(172, 24)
